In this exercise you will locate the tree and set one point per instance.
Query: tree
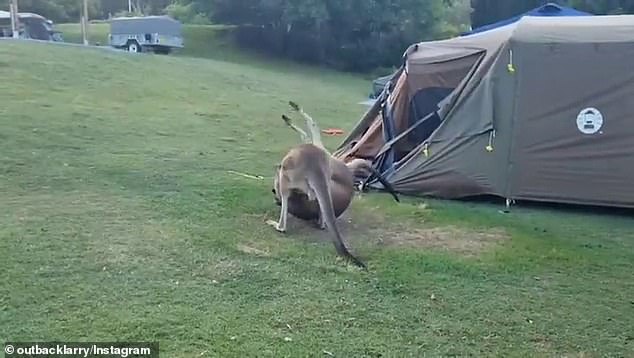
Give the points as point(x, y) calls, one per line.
point(347, 34)
point(56, 10)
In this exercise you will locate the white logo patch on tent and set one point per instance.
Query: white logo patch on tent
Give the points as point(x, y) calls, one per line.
point(589, 121)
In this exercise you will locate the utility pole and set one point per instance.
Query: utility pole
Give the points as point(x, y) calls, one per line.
point(15, 19)
point(138, 8)
point(84, 23)
point(129, 6)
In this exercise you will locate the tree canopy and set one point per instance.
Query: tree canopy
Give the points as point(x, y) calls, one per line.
point(352, 34)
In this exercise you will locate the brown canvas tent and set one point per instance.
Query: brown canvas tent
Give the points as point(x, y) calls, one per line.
point(540, 110)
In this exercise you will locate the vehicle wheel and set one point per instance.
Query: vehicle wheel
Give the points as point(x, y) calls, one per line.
point(133, 47)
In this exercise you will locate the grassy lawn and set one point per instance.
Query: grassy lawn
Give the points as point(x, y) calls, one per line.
point(209, 41)
point(203, 41)
point(121, 220)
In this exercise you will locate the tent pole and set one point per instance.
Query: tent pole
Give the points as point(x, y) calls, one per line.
point(387, 146)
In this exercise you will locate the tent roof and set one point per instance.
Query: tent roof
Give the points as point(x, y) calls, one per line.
point(546, 10)
point(608, 28)
point(456, 47)
point(529, 29)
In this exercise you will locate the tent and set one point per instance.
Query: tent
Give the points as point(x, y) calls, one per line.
point(536, 110)
point(549, 9)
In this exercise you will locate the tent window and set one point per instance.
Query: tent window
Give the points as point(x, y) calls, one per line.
point(425, 102)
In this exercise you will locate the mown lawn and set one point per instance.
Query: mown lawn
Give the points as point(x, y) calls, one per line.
point(209, 41)
point(121, 220)
point(203, 41)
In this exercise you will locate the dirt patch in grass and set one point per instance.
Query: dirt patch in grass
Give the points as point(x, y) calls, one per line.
point(250, 249)
point(369, 226)
point(464, 241)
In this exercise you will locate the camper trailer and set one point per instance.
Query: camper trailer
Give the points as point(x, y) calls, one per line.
point(159, 34)
point(32, 26)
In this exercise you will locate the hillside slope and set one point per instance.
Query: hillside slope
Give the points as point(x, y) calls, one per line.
point(202, 41)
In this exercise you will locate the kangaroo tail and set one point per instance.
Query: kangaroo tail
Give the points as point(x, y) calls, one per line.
point(319, 184)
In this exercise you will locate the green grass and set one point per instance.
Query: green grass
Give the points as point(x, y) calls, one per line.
point(121, 221)
point(208, 41)
point(201, 41)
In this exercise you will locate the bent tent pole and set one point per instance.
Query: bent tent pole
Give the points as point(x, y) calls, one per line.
point(359, 127)
point(386, 184)
point(387, 146)
point(379, 105)
point(380, 156)
point(370, 114)
point(387, 118)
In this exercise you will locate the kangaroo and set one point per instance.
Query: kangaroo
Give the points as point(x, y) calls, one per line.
point(342, 180)
point(308, 168)
point(341, 190)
